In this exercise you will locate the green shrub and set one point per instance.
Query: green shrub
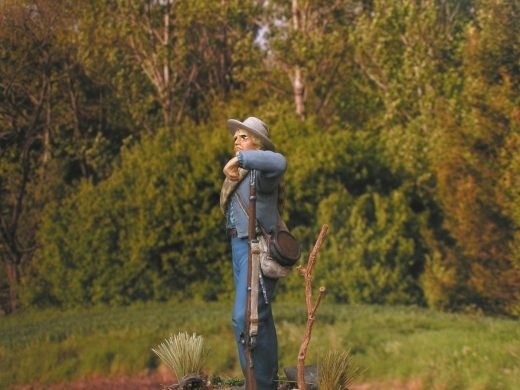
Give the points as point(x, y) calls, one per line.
point(152, 230)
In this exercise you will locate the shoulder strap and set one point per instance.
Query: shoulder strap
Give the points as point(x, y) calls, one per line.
point(281, 223)
point(244, 209)
point(241, 203)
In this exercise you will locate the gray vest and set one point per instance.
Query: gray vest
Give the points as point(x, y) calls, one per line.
point(266, 207)
point(270, 167)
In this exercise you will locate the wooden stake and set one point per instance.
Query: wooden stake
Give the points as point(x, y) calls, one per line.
point(311, 310)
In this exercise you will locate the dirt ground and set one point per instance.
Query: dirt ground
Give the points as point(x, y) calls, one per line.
point(157, 381)
point(141, 382)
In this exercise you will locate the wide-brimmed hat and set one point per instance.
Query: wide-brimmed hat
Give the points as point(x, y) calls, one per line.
point(253, 125)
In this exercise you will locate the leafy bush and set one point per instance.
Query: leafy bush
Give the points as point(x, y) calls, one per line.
point(372, 256)
point(152, 230)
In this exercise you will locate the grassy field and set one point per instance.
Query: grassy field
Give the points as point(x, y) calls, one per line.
point(389, 344)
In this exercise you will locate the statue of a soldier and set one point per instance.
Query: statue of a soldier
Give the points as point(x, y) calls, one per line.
point(254, 152)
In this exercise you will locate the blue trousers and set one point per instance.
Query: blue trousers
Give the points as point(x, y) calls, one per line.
point(265, 353)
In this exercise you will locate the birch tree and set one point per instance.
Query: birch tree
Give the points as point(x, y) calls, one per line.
point(308, 41)
point(187, 53)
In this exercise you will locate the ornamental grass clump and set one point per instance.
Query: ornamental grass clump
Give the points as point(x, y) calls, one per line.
point(335, 371)
point(183, 354)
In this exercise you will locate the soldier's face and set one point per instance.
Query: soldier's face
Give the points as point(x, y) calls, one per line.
point(243, 141)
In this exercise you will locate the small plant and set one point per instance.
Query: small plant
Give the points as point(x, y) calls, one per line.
point(183, 354)
point(226, 382)
point(335, 371)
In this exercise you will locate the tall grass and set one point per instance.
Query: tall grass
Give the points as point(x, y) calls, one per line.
point(182, 353)
point(336, 370)
point(441, 351)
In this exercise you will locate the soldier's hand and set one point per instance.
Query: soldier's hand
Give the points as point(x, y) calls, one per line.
point(231, 169)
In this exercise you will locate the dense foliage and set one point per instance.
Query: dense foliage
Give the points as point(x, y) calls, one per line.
point(400, 122)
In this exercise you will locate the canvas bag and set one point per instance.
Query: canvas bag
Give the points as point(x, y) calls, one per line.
point(279, 250)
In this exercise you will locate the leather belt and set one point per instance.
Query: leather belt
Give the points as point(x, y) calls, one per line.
point(232, 233)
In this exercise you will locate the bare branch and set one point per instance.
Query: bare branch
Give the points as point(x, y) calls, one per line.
point(311, 309)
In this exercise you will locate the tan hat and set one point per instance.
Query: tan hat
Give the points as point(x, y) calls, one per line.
point(255, 126)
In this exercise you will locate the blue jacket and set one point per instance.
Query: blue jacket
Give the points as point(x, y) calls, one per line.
point(270, 168)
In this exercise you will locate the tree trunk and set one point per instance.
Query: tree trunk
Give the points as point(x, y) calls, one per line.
point(167, 101)
point(13, 278)
point(297, 77)
point(299, 90)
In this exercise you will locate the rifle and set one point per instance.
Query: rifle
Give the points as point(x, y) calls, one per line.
point(251, 330)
